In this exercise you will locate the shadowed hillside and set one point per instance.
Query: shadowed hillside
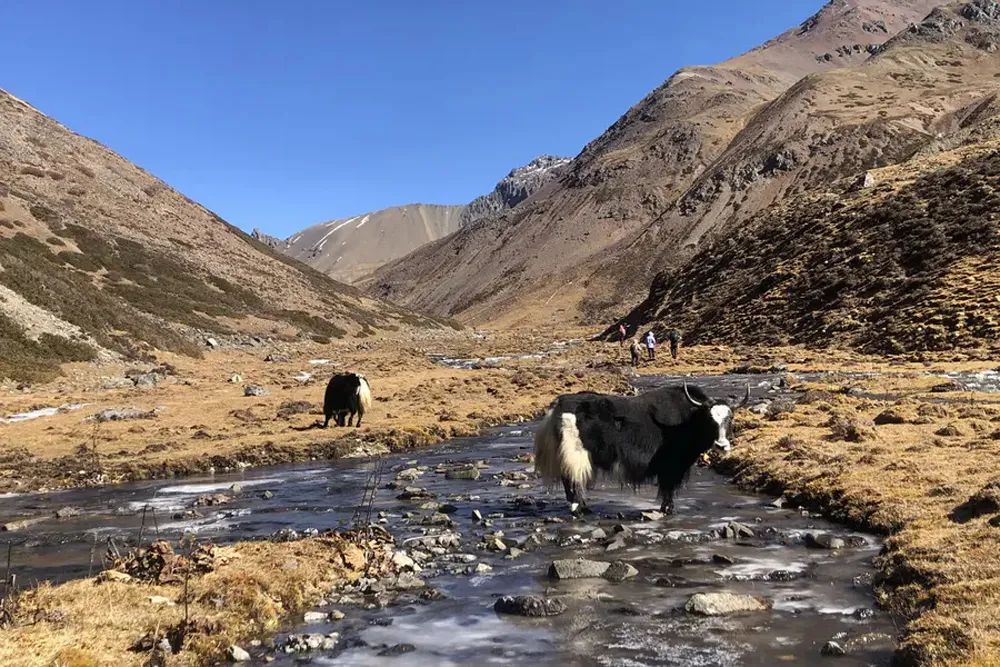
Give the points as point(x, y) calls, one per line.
point(906, 265)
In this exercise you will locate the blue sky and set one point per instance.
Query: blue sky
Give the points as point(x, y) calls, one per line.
point(279, 115)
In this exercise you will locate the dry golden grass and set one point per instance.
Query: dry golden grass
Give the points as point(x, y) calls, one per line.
point(257, 586)
point(925, 475)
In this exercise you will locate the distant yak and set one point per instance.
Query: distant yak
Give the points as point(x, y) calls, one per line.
point(346, 394)
point(657, 436)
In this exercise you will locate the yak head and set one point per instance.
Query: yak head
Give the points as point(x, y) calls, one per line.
point(721, 414)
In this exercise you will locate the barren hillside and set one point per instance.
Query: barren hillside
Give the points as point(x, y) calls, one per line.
point(539, 262)
point(349, 249)
point(99, 257)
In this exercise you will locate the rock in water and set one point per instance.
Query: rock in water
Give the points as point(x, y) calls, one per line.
point(833, 649)
point(620, 571)
point(67, 512)
point(529, 605)
point(463, 473)
point(724, 604)
point(235, 654)
point(577, 568)
point(824, 541)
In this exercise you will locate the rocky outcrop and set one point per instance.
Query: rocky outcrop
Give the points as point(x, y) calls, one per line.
point(517, 186)
point(268, 240)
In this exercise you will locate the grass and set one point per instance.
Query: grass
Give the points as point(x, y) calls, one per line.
point(255, 587)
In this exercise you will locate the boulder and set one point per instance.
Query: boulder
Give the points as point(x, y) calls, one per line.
point(824, 541)
point(833, 649)
point(14, 526)
point(577, 568)
point(406, 582)
point(314, 617)
point(724, 604)
point(529, 605)
point(619, 571)
point(471, 473)
point(254, 390)
point(235, 654)
point(67, 512)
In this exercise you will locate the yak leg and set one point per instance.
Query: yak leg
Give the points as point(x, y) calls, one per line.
point(326, 422)
point(570, 490)
point(350, 420)
point(667, 506)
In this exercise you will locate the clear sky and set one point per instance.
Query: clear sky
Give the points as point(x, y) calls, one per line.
point(279, 115)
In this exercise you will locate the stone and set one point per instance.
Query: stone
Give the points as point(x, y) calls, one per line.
point(396, 649)
point(212, 343)
point(406, 582)
point(652, 515)
point(337, 615)
point(146, 379)
point(619, 571)
point(779, 502)
point(824, 541)
point(314, 617)
point(598, 534)
point(577, 568)
point(160, 601)
point(615, 544)
point(409, 474)
point(513, 553)
point(462, 473)
point(722, 559)
point(254, 390)
point(267, 495)
point(735, 531)
point(533, 606)
point(477, 515)
point(402, 561)
point(235, 378)
point(235, 654)
point(833, 649)
point(123, 414)
point(67, 512)
point(482, 568)
point(114, 576)
point(724, 604)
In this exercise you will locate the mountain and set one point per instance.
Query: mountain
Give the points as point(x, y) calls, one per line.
point(100, 258)
point(672, 169)
point(350, 248)
point(909, 265)
point(515, 187)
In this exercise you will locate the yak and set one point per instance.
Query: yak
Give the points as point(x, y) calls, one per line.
point(346, 394)
point(657, 436)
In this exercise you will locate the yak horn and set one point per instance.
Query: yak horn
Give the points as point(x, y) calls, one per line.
point(695, 403)
point(746, 399)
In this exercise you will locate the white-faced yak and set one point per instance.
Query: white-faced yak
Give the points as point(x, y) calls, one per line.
point(657, 436)
point(346, 394)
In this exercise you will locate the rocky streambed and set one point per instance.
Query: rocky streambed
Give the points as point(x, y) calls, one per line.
point(494, 569)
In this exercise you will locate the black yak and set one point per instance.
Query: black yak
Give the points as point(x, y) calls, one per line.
point(657, 436)
point(346, 394)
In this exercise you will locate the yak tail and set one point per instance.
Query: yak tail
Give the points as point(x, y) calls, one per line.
point(559, 452)
point(364, 394)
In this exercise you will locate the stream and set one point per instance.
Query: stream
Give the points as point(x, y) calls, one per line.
point(815, 594)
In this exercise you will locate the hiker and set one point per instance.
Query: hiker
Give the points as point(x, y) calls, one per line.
point(651, 345)
point(675, 342)
point(621, 335)
point(636, 350)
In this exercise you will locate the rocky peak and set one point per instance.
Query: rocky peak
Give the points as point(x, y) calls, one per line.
point(268, 240)
point(514, 188)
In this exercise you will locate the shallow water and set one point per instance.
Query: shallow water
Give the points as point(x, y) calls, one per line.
point(636, 622)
